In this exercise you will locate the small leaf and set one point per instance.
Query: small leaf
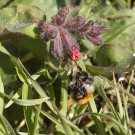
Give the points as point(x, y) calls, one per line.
point(96, 2)
point(85, 9)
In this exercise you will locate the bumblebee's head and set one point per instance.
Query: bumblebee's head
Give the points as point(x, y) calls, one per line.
point(81, 96)
point(79, 93)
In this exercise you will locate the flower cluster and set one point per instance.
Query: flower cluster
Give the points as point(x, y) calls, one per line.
point(62, 40)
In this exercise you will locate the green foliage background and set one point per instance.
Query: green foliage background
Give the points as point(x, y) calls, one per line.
point(33, 84)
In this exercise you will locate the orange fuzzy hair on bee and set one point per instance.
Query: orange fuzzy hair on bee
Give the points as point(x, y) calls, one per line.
point(86, 99)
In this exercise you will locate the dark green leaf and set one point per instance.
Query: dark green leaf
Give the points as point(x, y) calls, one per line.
point(7, 70)
point(108, 71)
point(113, 55)
point(35, 46)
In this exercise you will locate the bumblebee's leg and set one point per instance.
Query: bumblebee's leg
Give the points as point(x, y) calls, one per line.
point(81, 74)
point(80, 69)
point(69, 90)
point(70, 79)
point(71, 75)
point(78, 82)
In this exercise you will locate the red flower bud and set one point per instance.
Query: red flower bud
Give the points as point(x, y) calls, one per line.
point(75, 55)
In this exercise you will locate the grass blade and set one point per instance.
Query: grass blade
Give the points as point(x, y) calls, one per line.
point(100, 89)
point(28, 110)
point(3, 128)
point(126, 115)
point(36, 120)
point(131, 97)
point(2, 97)
point(38, 88)
point(63, 98)
point(129, 84)
point(9, 129)
point(97, 120)
point(105, 116)
point(23, 102)
point(63, 103)
point(20, 66)
point(118, 32)
point(74, 126)
point(119, 101)
point(16, 96)
point(109, 104)
point(49, 117)
point(65, 126)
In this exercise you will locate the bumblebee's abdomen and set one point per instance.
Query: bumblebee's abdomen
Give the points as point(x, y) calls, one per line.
point(85, 99)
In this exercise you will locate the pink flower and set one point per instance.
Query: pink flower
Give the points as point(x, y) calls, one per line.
point(60, 29)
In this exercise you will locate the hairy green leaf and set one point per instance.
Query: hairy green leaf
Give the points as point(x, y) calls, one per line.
point(108, 71)
point(20, 19)
point(113, 55)
point(48, 6)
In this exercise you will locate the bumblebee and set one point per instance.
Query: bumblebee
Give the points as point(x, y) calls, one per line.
point(82, 87)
